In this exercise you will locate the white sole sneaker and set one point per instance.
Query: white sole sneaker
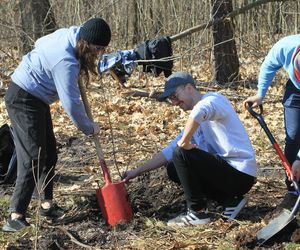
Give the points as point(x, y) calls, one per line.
point(190, 219)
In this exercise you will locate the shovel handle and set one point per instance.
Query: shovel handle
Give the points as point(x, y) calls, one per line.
point(252, 112)
point(275, 145)
point(261, 120)
point(99, 151)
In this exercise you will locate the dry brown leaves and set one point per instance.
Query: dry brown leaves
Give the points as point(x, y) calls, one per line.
point(132, 129)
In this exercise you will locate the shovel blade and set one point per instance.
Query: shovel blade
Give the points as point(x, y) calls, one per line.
point(275, 226)
point(114, 203)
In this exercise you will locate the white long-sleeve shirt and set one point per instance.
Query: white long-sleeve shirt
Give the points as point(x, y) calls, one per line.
point(220, 132)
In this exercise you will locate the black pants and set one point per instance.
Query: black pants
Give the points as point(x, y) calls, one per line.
point(35, 146)
point(203, 175)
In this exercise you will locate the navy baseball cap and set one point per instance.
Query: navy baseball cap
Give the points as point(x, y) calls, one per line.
point(175, 80)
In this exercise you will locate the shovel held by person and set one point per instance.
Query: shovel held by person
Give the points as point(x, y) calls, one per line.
point(286, 217)
point(112, 198)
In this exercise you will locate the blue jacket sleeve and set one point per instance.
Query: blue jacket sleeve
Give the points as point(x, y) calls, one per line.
point(65, 75)
point(270, 66)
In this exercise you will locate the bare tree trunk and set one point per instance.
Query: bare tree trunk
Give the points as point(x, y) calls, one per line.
point(226, 63)
point(278, 19)
point(135, 23)
point(37, 19)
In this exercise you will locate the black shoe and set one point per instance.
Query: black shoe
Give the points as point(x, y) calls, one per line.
point(233, 207)
point(15, 225)
point(53, 212)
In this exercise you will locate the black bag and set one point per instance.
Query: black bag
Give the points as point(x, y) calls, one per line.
point(156, 49)
point(8, 157)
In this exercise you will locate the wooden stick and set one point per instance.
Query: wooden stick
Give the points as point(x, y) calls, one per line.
point(73, 239)
point(95, 137)
point(154, 94)
point(114, 75)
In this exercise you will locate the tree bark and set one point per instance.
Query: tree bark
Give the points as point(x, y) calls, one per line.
point(37, 20)
point(226, 63)
point(135, 22)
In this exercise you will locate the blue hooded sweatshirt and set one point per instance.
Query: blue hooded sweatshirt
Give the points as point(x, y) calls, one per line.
point(280, 56)
point(50, 72)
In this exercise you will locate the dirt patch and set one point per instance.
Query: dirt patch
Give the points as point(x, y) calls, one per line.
point(154, 200)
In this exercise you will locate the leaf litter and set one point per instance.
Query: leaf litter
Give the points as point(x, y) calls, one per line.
point(132, 130)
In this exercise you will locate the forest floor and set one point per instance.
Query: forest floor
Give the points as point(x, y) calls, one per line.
point(132, 129)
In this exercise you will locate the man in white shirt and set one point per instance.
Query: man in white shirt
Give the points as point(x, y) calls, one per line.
point(211, 158)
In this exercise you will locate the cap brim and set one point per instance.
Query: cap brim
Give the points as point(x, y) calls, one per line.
point(166, 94)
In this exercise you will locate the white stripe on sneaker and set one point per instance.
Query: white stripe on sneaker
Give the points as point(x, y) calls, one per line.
point(189, 219)
point(231, 212)
point(185, 220)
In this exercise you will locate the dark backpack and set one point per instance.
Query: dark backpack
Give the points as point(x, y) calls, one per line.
point(156, 49)
point(8, 157)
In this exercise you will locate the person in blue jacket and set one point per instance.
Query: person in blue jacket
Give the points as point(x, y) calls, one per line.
point(48, 73)
point(284, 54)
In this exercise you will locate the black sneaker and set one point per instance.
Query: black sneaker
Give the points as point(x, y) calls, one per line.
point(15, 225)
point(190, 218)
point(234, 207)
point(53, 212)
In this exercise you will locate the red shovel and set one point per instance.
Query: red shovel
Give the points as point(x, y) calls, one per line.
point(286, 217)
point(112, 198)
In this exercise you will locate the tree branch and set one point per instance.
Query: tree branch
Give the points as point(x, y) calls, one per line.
point(218, 20)
point(73, 239)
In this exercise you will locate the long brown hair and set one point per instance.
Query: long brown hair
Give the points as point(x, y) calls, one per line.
point(86, 59)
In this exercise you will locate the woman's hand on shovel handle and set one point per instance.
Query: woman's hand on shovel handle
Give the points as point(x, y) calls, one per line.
point(296, 169)
point(255, 100)
point(130, 174)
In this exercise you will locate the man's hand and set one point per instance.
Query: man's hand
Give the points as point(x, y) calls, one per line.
point(96, 128)
point(185, 145)
point(296, 170)
point(130, 174)
point(255, 100)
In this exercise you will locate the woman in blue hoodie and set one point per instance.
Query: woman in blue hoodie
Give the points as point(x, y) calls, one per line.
point(48, 73)
point(284, 54)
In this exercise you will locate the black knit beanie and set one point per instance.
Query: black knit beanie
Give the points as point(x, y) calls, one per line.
point(96, 31)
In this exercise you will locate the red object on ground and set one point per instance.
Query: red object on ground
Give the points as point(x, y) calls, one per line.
point(113, 200)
